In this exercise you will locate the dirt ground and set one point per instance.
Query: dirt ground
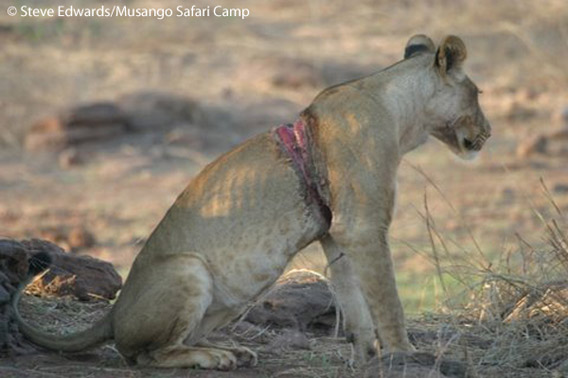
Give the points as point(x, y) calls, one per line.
point(249, 75)
point(460, 348)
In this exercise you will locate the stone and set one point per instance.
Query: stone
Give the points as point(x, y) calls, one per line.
point(77, 125)
point(84, 277)
point(152, 111)
point(301, 300)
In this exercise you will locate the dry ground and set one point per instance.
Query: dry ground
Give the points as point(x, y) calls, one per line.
point(282, 353)
point(252, 74)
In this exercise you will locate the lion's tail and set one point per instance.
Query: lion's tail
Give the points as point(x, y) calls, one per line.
point(93, 336)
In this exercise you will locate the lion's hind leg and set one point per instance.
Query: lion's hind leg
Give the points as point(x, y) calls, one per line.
point(155, 318)
point(216, 320)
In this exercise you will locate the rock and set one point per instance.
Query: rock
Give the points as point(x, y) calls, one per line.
point(4, 295)
point(151, 111)
point(13, 270)
point(104, 121)
point(13, 262)
point(301, 300)
point(83, 277)
point(99, 113)
point(80, 124)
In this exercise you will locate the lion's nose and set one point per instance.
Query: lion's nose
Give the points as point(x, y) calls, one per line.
point(478, 142)
point(468, 144)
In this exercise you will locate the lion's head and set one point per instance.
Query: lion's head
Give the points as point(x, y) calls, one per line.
point(453, 112)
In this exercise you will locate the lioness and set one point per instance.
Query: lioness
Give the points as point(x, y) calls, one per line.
point(331, 176)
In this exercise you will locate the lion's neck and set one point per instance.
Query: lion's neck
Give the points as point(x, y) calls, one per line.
point(405, 95)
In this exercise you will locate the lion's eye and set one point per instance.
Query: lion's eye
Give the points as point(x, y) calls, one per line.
point(479, 91)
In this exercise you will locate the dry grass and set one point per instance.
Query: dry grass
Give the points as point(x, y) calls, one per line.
point(517, 301)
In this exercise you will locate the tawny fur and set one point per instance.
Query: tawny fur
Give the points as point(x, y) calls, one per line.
point(232, 231)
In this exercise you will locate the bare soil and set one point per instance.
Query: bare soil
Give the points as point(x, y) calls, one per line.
point(449, 349)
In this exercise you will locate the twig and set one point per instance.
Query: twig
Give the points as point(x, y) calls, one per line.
point(429, 222)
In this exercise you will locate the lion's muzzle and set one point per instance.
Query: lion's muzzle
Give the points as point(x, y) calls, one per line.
point(477, 143)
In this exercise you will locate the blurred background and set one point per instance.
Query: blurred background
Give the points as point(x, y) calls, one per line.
point(103, 121)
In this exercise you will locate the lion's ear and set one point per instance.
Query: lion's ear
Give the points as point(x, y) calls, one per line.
point(417, 44)
point(451, 54)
